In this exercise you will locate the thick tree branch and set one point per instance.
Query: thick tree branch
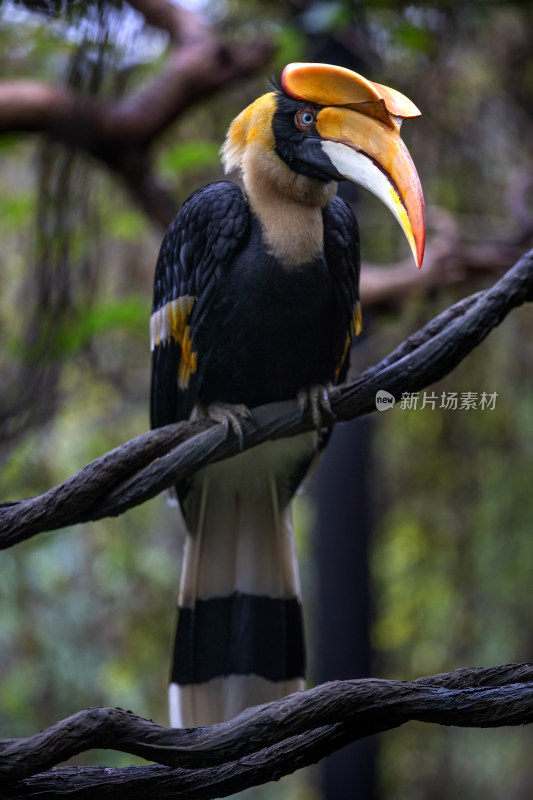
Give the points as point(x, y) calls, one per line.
point(263, 742)
point(121, 132)
point(198, 64)
point(143, 467)
point(452, 256)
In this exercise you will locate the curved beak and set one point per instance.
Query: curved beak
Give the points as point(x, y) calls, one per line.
point(368, 152)
point(359, 129)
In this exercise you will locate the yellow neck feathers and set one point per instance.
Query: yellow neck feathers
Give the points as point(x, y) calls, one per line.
point(287, 204)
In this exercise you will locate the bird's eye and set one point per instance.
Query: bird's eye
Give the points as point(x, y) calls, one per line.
point(305, 118)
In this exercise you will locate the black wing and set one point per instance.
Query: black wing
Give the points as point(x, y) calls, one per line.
point(207, 232)
point(341, 250)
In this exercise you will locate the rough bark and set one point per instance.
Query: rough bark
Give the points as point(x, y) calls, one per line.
point(262, 743)
point(143, 467)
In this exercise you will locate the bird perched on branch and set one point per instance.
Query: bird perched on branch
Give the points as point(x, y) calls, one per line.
point(256, 300)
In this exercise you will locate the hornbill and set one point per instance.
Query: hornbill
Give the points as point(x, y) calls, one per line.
point(256, 300)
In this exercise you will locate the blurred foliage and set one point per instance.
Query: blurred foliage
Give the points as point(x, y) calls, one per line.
point(452, 562)
point(87, 612)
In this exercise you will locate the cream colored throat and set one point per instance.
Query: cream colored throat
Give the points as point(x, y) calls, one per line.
point(289, 208)
point(293, 234)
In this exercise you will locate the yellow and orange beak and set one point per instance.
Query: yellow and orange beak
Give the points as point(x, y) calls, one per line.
point(359, 128)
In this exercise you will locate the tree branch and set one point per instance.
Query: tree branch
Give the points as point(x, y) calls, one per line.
point(121, 132)
point(199, 63)
point(143, 467)
point(262, 743)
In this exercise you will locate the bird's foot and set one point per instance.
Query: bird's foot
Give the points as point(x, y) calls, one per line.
point(229, 415)
point(316, 399)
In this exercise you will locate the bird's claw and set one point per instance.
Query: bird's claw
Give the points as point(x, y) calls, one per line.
point(317, 400)
point(230, 415)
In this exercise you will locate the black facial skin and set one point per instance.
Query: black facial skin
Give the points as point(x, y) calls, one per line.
point(300, 148)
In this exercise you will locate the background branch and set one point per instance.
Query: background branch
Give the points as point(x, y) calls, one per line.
point(262, 743)
point(121, 132)
point(452, 254)
point(143, 467)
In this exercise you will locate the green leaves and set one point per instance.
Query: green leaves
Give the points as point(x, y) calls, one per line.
point(127, 314)
point(188, 156)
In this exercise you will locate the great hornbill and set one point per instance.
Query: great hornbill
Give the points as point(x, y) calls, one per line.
point(256, 300)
